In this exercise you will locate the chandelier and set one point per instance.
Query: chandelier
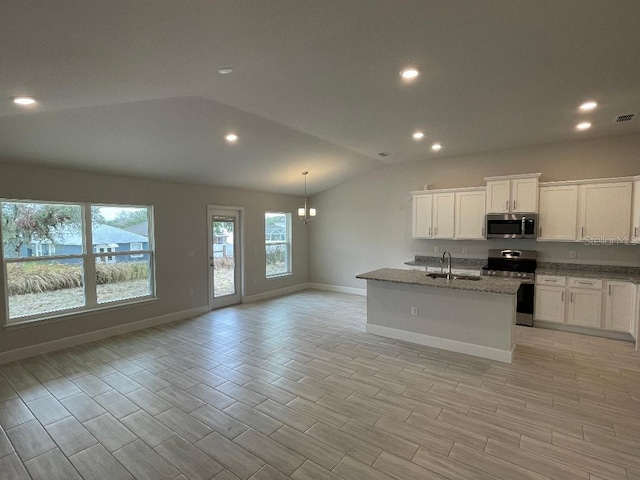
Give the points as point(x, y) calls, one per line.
point(306, 214)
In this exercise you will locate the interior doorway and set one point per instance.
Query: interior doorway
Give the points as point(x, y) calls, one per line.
point(225, 256)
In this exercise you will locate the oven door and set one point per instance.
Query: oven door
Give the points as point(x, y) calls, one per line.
point(511, 226)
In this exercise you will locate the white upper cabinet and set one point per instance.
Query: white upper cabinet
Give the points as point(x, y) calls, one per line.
point(558, 216)
point(422, 215)
point(469, 214)
point(512, 194)
point(605, 211)
point(635, 224)
point(443, 215)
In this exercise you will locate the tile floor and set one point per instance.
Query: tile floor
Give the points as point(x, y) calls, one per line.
point(294, 388)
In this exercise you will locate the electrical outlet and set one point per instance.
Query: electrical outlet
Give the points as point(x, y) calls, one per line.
point(572, 254)
point(414, 310)
point(191, 292)
point(436, 249)
point(465, 249)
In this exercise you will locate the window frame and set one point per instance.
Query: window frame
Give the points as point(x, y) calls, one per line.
point(287, 242)
point(88, 259)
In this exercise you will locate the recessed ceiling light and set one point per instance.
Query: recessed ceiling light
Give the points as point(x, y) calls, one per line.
point(583, 126)
point(436, 147)
point(418, 135)
point(588, 106)
point(225, 70)
point(24, 101)
point(410, 73)
point(232, 137)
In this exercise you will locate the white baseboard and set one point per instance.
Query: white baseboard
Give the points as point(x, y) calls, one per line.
point(443, 343)
point(275, 293)
point(46, 347)
point(338, 288)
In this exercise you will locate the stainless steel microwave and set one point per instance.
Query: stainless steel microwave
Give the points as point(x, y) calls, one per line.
point(512, 225)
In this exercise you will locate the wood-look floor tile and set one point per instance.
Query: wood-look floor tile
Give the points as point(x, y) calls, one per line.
point(204, 376)
point(109, 432)
point(286, 415)
point(300, 389)
point(147, 428)
point(178, 379)
point(345, 442)
point(95, 463)
point(51, 465)
point(91, 385)
point(211, 396)
point(48, 410)
point(270, 391)
point(12, 468)
point(352, 469)
point(403, 469)
point(350, 409)
point(180, 399)
point(601, 452)
point(185, 425)
point(533, 462)
point(149, 380)
point(121, 383)
point(309, 447)
point(5, 445)
point(577, 460)
point(253, 418)
point(62, 387)
point(448, 467)
point(318, 412)
point(30, 440)
point(312, 471)
point(116, 404)
point(385, 440)
point(219, 421)
point(82, 407)
point(272, 452)
point(188, 459)
point(149, 401)
point(14, 412)
point(241, 394)
point(481, 427)
point(232, 456)
point(415, 435)
point(71, 436)
point(269, 473)
point(144, 463)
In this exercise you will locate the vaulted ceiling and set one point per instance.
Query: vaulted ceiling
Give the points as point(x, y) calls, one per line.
point(132, 87)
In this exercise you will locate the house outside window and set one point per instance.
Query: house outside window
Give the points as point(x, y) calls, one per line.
point(51, 268)
point(277, 235)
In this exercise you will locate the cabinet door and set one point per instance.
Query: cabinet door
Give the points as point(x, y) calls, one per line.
point(558, 216)
point(498, 196)
point(550, 303)
point(443, 215)
point(469, 213)
point(585, 308)
point(635, 225)
point(605, 211)
point(619, 306)
point(422, 216)
point(524, 195)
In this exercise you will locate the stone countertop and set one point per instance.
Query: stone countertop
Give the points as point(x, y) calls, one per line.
point(496, 286)
point(462, 263)
point(584, 273)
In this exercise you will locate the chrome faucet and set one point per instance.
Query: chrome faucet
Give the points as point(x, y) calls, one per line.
point(446, 252)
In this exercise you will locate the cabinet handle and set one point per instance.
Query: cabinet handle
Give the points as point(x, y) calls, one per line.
point(429, 231)
point(435, 230)
point(609, 290)
point(506, 205)
point(562, 300)
point(571, 299)
point(540, 232)
point(635, 231)
point(514, 204)
point(585, 283)
point(583, 231)
point(483, 231)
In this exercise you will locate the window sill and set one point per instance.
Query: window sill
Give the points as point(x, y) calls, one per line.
point(276, 277)
point(57, 317)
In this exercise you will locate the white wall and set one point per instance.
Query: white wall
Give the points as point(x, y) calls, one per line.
point(365, 224)
point(180, 225)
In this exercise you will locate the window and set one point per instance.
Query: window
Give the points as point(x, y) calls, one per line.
point(277, 239)
point(52, 269)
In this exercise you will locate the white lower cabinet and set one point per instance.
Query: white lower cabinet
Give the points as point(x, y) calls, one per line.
point(619, 310)
point(585, 307)
point(586, 302)
point(550, 303)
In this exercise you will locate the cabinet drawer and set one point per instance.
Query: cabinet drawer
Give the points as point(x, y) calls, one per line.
point(591, 283)
point(551, 280)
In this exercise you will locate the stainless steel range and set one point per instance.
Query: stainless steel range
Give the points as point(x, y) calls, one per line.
point(520, 264)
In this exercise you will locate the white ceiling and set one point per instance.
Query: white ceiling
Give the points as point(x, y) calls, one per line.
point(131, 87)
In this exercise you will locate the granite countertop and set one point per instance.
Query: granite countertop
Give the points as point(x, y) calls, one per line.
point(624, 274)
point(497, 286)
point(461, 263)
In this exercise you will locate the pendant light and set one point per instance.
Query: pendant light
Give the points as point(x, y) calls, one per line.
point(306, 214)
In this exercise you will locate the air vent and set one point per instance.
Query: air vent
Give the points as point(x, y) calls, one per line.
point(625, 118)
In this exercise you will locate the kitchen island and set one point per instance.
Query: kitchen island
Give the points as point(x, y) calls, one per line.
point(475, 317)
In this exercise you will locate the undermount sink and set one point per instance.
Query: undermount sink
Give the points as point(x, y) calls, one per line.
point(453, 277)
